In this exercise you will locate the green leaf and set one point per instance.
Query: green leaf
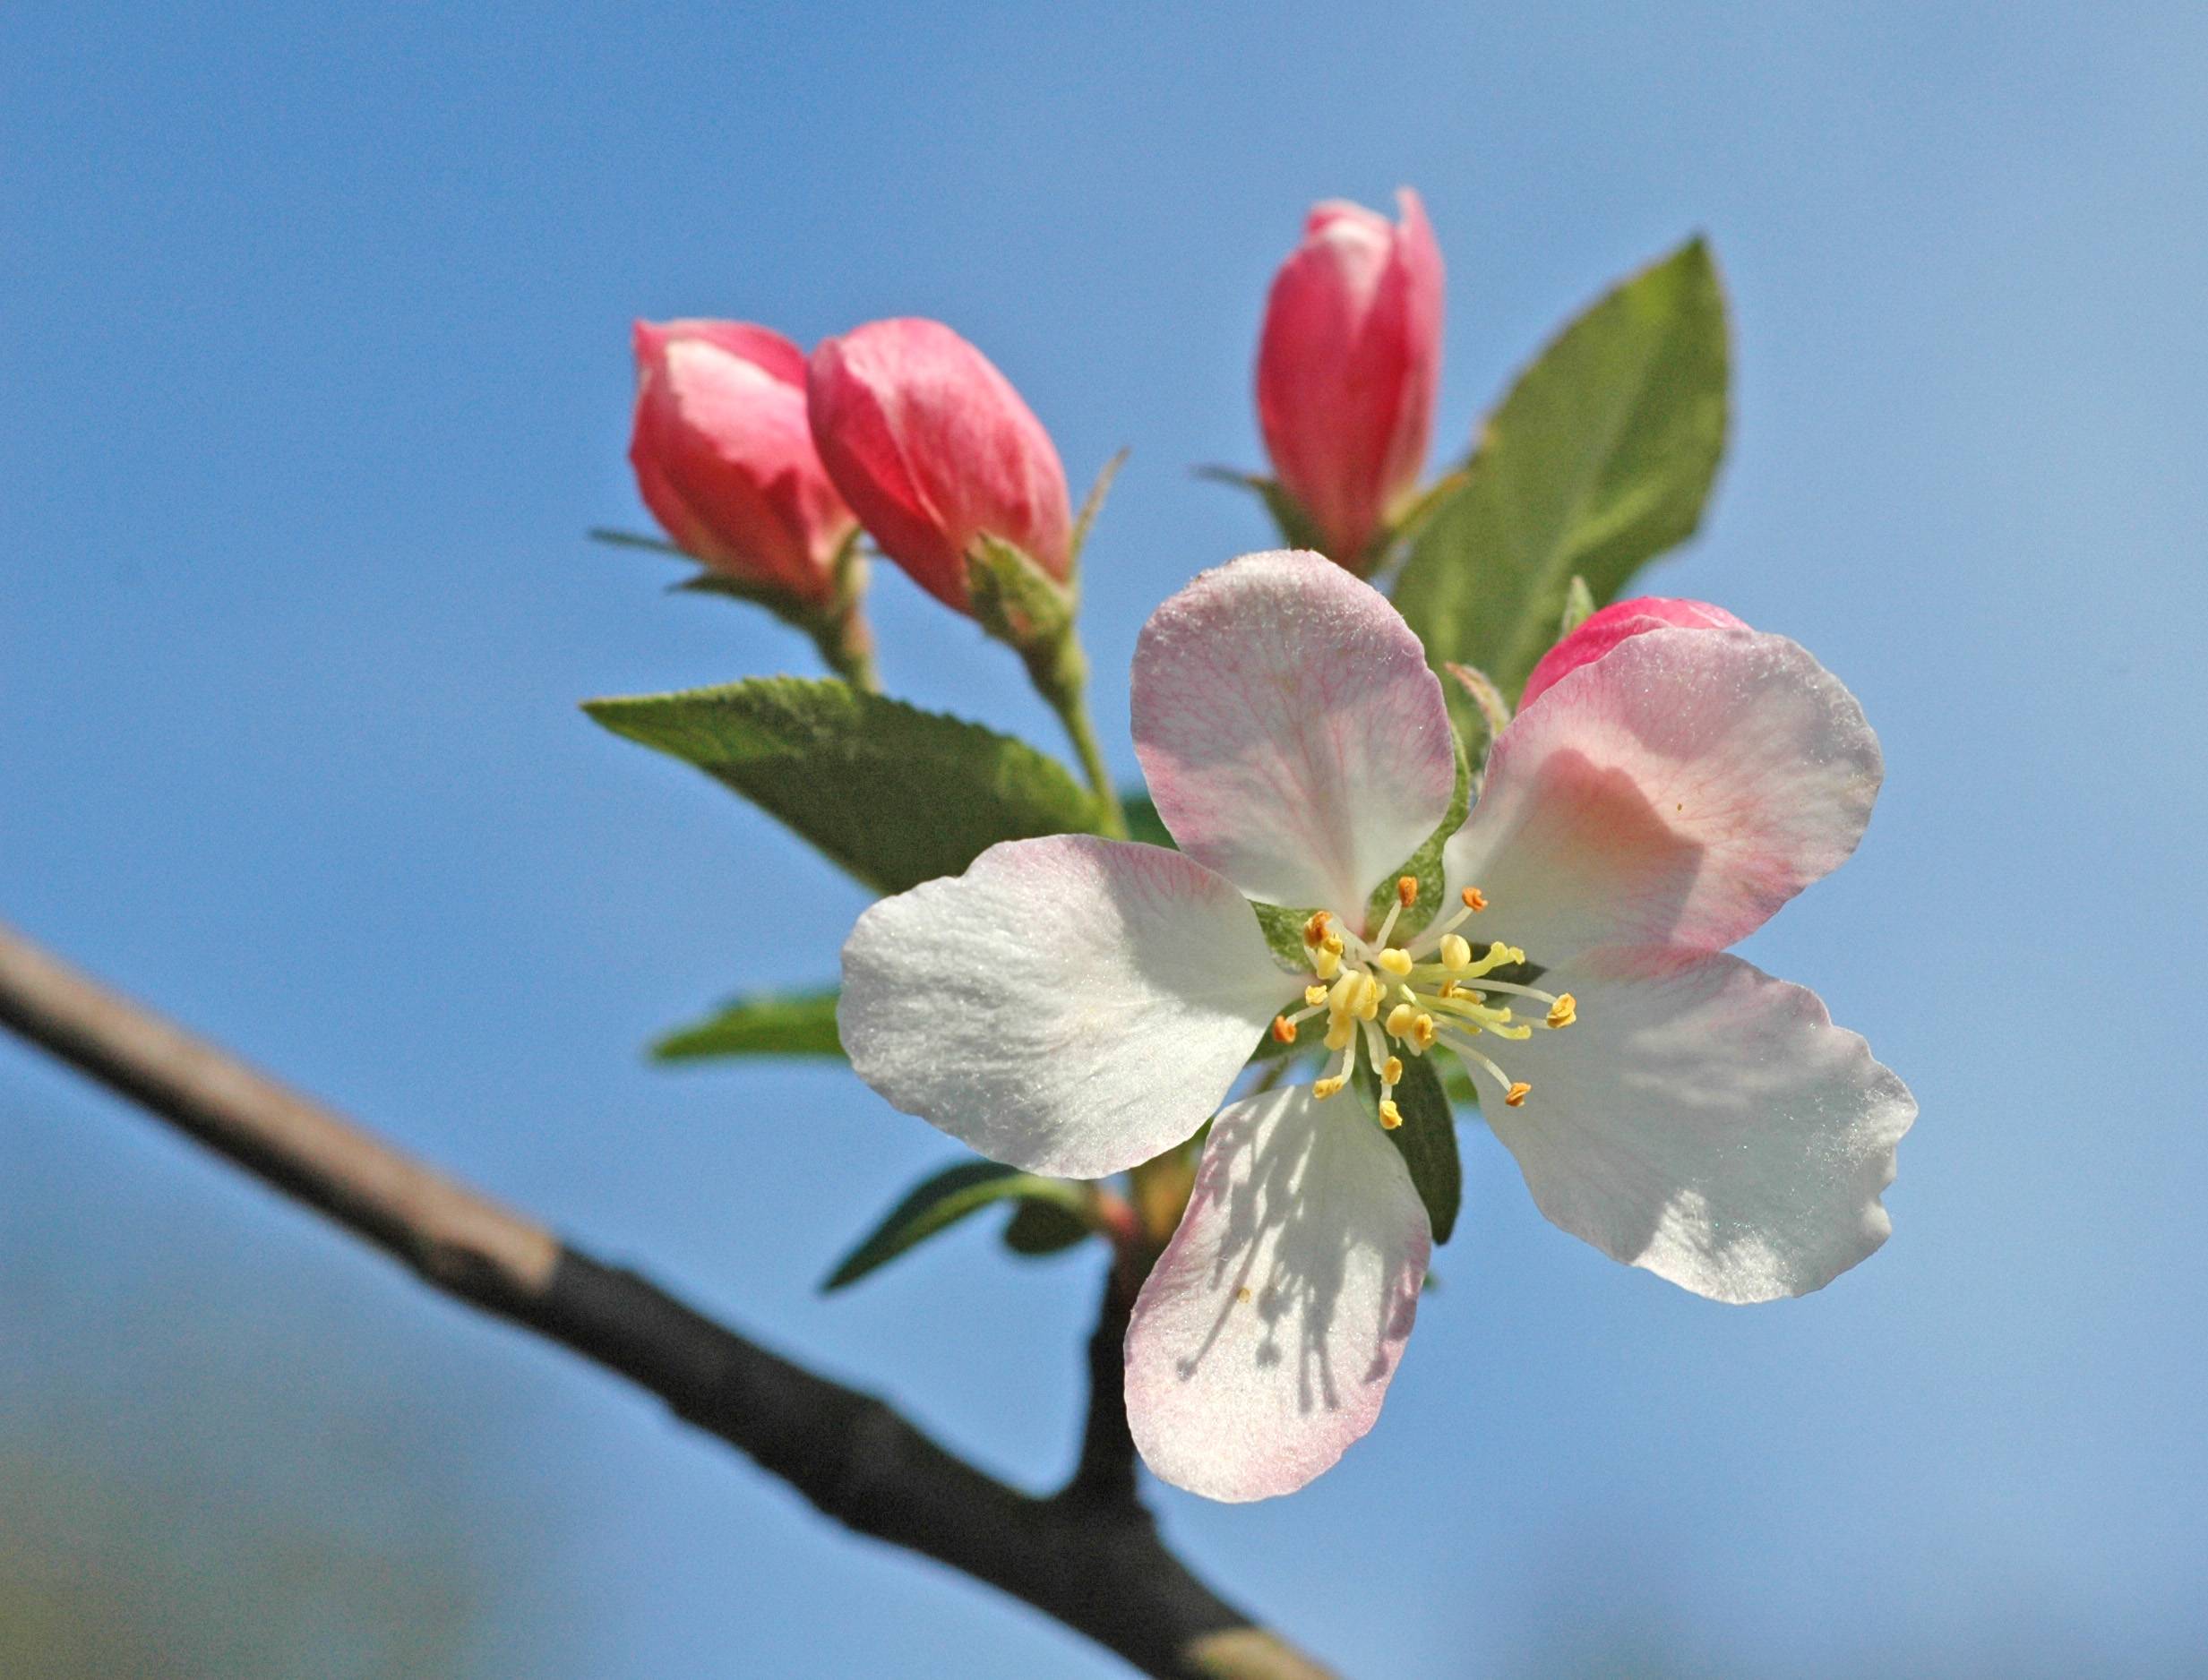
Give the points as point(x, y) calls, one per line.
point(1600, 458)
point(894, 794)
point(768, 1024)
point(937, 1204)
point(1044, 1228)
point(1427, 1138)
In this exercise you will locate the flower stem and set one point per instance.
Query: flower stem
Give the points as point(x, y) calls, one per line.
point(846, 643)
point(1060, 670)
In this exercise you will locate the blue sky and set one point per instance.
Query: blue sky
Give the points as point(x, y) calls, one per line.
point(314, 332)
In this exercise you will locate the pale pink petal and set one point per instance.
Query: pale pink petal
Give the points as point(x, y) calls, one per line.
point(1677, 791)
point(1262, 1344)
point(1294, 738)
point(1069, 1005)
point(1706, 1121)
point(1603, 630)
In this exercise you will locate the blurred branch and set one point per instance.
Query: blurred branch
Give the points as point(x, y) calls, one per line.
point(1089, 1556)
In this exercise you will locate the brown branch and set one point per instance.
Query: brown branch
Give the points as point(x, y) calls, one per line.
point(1090, 1555)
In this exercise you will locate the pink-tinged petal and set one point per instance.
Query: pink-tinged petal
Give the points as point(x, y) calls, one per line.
point(1348, 364)
point(1676, 792)
point(723, 455)
point(1707, 1122)
point(1603, 630)
point(1264, 1340)
point(1293, 736)
point(1069, 1005)
point(933, 447)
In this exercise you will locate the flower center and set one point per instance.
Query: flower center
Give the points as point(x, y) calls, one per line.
point(1438, 989)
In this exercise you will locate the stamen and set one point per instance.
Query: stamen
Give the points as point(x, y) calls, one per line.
point(1368, 998)
point(1315, 929)
point(1391, 1117)
point(1474, 899)
point(1330, 1086)
point(1515, 1098)
point(1564, 1011)
point(1395, 960)
point(1326, 964)
point(1284, 1029)
point(1391, 1071)
point(1423, 1034)
point(1315, 996)
point(1399, 1019)
point(1407, 890)
point(1339, 1031)
point(1455, 952)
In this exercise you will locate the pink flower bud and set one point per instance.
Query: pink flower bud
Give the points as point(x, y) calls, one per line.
point(1620, 621)
point(725, 459)
point(933, 447)
point(1347, 367)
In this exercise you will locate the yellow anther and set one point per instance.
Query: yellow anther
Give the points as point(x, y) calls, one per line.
point(1423, 1031)
point(1517, 953)
point(1339, 1031)
point(1515, 1098)
point(1343, 999)
point(1333, 943)
point(1395, 960)
point(1474, 899)
point(1564, 1011)
point(1314, 995)
point(1407, 890)
point(1391, 1117)
point(1455, 952)
point(1447, 990)
point(1284, 1029)
point(1315, 929)
point(1391, 1071)
point(1367, 998)
point(1399, 1019)
point(1321, 1089)
point(1326, 964)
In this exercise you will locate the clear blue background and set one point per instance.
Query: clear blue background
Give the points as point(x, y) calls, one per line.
point(314, 345)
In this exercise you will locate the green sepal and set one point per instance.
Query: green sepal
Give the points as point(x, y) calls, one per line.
point(894, 794)
point(1600, 457)
point(1295, 527)
point(1084, 521)
point(1427, 1138)
point(937, 1204)
point(1578, 607)
point(1139, 811)
point(1480, 715)
point(1014, 599)
point(761, 1024)
point(1044, 1228)
point(1424, 865)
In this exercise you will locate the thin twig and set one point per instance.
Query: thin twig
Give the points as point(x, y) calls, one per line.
point(1089, 1557)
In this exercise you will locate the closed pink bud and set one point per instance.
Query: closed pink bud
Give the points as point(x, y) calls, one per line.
point(934, 448)
point(1620, 621)
point(1348, 364)
point(724, 457)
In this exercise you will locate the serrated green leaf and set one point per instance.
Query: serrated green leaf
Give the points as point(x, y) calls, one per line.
point(1044, 1228)
point(1600, 458)
point(937, 1204)
point(894, 794)
point(766, 1023)
point(1427, 1138)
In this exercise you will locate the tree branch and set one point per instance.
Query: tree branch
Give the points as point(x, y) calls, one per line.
point(1090, 1555)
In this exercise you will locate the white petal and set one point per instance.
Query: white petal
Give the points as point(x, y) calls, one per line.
point(1675, 792)
point(1290, 731)
point(1069, 1005)
point(1706, 1121)
point(1263, 1342)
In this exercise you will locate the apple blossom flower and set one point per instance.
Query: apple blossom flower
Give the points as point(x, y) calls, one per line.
point(1349, 360)
point(725, 459)
point(934, 448)
point(1076, 1006)
point(1602, 629)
